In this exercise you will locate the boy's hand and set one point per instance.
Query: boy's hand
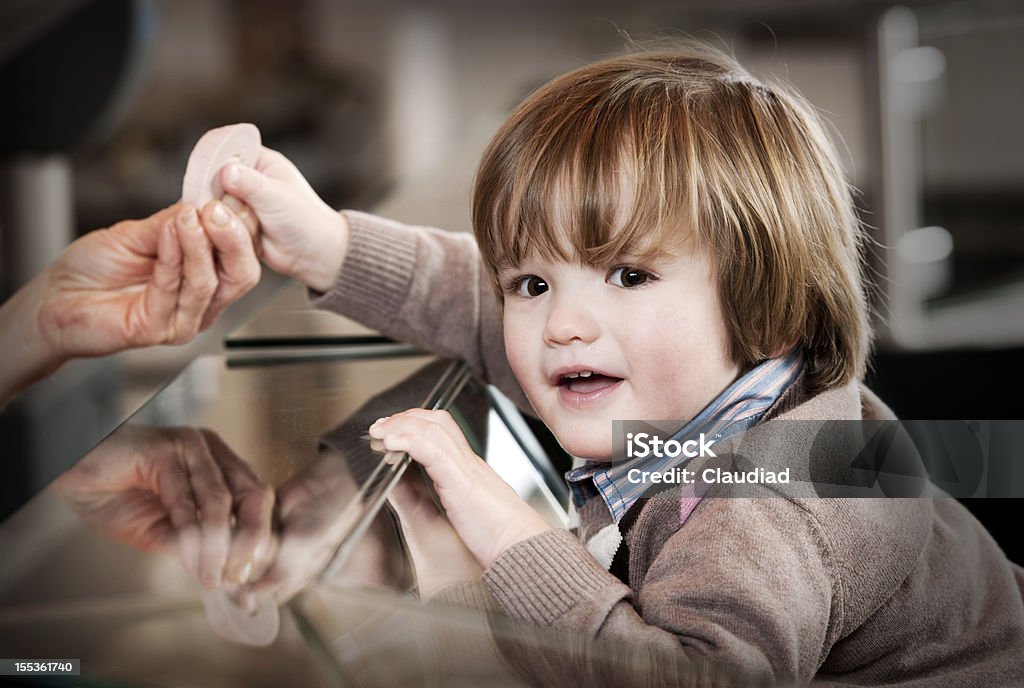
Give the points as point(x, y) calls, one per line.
point(484, 510)
point(439, 556)
point(301, 236)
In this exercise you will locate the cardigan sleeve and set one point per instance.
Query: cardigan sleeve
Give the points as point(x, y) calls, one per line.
point(746, 586)
point(426, 287)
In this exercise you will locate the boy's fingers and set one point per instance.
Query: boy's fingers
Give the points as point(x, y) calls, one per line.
point(262, 186)
point(247, 185)
point(436, 459)
point(442, 418)
point(437, 424)
point(425, 453)
point(433, 440)
point(274, 164)
point(199, 282)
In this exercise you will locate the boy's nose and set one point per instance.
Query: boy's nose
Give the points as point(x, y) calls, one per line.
point(568, 321)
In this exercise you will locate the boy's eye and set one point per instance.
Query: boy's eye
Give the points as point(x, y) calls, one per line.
point(627, 277)
point(529, 286)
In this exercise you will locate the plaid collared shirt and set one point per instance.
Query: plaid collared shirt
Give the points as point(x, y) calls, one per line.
point(739, 407)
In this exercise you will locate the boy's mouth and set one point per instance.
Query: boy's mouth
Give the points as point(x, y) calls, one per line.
point(585, 381)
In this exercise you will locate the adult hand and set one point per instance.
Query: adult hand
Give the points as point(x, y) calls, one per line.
point(484, 510)
point(141, 282)
point(301, 236)
point(176, 490)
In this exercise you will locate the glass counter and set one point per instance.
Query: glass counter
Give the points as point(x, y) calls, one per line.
point(103, 566)
point(264, 451)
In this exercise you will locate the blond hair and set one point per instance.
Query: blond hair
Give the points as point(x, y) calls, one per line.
point(642, 152)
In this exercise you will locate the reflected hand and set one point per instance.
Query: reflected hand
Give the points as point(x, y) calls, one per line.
point(315, 511)
point(176, 490)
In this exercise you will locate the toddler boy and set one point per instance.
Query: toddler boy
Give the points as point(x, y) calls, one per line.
point(669, 238)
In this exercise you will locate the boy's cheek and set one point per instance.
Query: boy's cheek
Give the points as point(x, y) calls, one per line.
point(518, 358)
point(521, 369)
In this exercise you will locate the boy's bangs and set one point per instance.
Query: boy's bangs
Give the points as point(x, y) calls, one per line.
point(586, 192)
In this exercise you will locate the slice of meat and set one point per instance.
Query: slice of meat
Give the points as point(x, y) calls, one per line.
point(215, 149)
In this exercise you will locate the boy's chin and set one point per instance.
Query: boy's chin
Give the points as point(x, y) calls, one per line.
point(589, 448)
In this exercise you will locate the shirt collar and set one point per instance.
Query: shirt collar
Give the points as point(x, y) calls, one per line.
point(742, 405)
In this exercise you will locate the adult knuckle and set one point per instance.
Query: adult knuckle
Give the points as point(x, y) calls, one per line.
point(186, 331)
point(176, 335)
point(253, 270)
point(206, 287)
point(229, 292)
point(250, 279)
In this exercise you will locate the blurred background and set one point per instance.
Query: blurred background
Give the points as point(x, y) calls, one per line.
point(386, 106)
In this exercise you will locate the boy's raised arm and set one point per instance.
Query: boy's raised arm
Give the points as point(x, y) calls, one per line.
point(418, 285)
point(423, 286)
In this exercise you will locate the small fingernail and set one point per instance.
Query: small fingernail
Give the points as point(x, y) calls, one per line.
point(246, 571)
point(219, 215)
point(191, 219)
point(231, 176)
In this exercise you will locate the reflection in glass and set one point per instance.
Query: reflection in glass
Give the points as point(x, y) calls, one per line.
point(243, 478)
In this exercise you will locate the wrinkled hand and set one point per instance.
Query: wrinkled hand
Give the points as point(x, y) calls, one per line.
point(141, 282)
point(176, 490)
point(484, 510)
point(301, 236)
